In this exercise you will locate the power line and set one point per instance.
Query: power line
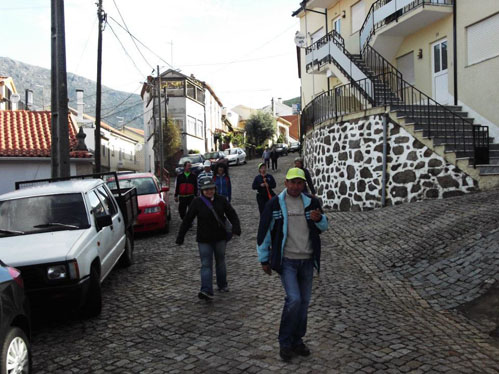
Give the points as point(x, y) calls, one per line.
point(124, 50)
point(123, 110)
point(239, 61)
point(145, 46)
point(133, 119)
point(133, 40)
point(84, 49)
point(120, 104)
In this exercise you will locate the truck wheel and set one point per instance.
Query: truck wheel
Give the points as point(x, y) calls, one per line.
point(126, 258)
point(16, 352)
point(93, 302)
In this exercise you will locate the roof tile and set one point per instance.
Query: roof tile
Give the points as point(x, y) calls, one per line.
point(26, 133)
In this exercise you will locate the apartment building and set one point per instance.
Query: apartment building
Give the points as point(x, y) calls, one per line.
point(447, 49)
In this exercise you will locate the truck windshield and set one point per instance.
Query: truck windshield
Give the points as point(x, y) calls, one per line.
point(145, 186)
point(30, 215)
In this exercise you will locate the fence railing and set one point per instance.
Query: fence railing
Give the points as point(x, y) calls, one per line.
point(383, 12)
point(331, 49)
point(436, 120)
point(337, 102)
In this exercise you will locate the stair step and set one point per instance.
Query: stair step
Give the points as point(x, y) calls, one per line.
point(488, 169)
point(452, 108)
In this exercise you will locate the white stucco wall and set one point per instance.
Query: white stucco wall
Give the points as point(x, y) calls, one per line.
point(13, 169)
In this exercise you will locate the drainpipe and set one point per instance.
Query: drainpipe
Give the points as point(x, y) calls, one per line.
point(385, 147)
point(454, 32)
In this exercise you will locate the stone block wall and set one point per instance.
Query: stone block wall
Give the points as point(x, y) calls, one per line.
point(346, 161)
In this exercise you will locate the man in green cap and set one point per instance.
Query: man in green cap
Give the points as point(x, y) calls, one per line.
point(288, 242)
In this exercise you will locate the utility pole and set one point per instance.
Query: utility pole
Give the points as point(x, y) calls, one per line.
point(59, 96)
point(166, 116)
point(161, 151)
point(101, 15)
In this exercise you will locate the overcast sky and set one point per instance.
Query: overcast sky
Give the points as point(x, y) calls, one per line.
point(243, 49)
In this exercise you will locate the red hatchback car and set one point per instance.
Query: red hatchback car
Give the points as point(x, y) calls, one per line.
point(154, 208)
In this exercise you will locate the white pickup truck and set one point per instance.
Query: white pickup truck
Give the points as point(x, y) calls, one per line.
point(66, 237)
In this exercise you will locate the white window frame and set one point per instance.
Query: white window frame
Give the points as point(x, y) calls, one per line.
point(336, 21)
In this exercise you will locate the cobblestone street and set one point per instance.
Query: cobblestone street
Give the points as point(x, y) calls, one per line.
point(384, 302)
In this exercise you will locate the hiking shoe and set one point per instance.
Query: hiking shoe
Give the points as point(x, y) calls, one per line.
point(301, 350)
point(223, 289)
point(205, 295)
point(286, 354)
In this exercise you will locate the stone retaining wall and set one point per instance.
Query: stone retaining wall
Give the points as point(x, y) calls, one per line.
point(345, 160)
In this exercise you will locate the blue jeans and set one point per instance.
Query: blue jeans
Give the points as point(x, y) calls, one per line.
point(296, 277)
point(206, 252)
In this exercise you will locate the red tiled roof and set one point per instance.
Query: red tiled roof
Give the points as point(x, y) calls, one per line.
point(26, 133)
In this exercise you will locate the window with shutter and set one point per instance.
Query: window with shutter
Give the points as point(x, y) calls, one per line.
point(482, 40)
point(358, 15)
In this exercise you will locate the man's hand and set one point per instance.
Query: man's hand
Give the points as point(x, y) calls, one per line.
point(316, 215)
point(266, 268)
point(176, 199)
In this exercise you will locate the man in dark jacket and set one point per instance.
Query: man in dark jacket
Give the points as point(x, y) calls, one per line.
point(210, 210)
point(264, 185)
point(186, 188)
point(289, 243)
point(299, 164)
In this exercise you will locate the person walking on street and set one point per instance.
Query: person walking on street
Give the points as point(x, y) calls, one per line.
point(222, 182)
point(207, 172)
point(299, 164)
point(266, 157)
point(263, 184)
point(274, 155)
point(186, 188)
point(212, 211)
point(289, 243)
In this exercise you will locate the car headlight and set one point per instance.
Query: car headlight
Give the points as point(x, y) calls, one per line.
point(57, 272)
point(155, 209)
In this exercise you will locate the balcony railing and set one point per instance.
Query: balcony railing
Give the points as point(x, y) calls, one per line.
point(382, 12)
point(331, 49)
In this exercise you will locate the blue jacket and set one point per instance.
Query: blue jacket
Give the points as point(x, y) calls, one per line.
point(273, 230)
point(223, 185)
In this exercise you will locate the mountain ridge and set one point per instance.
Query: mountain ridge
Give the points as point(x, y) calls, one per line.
point(115, 103)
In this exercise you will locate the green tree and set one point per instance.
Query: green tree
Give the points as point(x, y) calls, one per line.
point(171, 141)
point(259, 128)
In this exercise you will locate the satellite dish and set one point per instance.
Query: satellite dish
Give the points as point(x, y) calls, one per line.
point(15, 98)
point(300, 39)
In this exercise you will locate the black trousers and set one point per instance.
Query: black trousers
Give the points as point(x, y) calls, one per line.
point(267, 163)
point(261, 200)
point(274, 164)
point(183, 204)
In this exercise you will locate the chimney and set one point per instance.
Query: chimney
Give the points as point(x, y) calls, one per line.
point(29, 99)
point(80, 106)
point(273, 107)
point(279, 100)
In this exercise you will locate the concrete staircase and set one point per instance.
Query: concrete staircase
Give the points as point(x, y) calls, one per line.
point(454, 144)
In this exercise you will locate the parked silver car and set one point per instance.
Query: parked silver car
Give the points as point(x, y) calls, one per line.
point(236, 156)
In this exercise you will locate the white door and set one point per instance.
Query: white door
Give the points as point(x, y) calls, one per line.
point(440, 74)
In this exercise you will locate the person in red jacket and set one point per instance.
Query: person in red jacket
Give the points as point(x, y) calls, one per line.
point(186, 188)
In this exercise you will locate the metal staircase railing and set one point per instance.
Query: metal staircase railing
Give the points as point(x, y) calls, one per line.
point(331, 49)
point(383, 12)
point(451, 129)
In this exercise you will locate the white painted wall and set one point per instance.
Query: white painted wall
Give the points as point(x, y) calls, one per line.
point(15, 169)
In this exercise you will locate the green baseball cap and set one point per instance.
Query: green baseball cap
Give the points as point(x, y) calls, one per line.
point(260, 165)
point(295, 173)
